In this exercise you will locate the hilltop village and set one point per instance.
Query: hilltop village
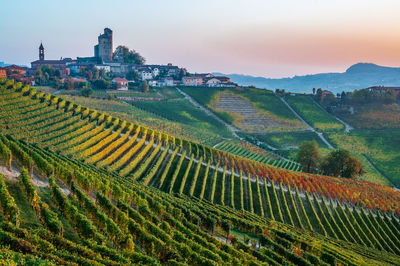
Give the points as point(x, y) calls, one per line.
point(108, 69)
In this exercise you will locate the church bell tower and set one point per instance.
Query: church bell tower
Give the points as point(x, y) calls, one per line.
point(41, 52)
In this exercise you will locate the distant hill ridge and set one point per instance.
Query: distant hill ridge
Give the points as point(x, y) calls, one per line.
point(357, 76)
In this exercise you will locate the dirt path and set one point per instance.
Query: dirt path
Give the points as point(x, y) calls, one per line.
point(347, 127)
point(13, 174)
point(36, 181)
point(233, 129)
point(320, 135)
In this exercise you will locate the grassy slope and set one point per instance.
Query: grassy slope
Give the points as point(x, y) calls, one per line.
point(313, 114)
point(380, 146)
point(182, 111)
point(285, 140)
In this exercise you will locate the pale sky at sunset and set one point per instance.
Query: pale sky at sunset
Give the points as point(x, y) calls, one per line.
point(264, 38)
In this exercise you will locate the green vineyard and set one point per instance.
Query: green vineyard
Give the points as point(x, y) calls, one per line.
point(262, 156)
point(113, 192)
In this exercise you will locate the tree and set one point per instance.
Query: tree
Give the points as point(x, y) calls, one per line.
point(86, 91)
point(132, 75)
point(318, 96)
point(46, 73)
point(343, 97)
point(144, 86)
point(329, 100)
point(341, 164)
point(101, 84)
point(308, 156)
point(124, 55)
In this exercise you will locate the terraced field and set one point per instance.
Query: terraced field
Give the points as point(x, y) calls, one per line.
point(250, 110)
point(127, 168)
point(248, 119)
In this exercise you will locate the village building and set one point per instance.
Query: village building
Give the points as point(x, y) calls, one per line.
point(154, 83)
point(146, 75)
point(14, 69)
point(169, 81)
point(121, 83)
point(217, 81)
point(57, 64)
point(156, 71)
point(325, 93)
point(106, 68)
point(3, 72)
point(104, 48)
point(194, 80)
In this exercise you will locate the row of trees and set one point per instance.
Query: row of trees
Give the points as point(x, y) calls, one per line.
point(363, 96)
point(337, 163)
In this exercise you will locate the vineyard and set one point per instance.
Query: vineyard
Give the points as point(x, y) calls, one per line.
point(135, 115)
point(182, 111)
point(246, 150)
point(119, 193)
point(250, 110)
point(371, 116)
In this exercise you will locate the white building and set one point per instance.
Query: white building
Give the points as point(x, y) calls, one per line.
point(213, 82)
point(169, 81)
point(146, 75)
point(106, 68)
point(152, 83)
point(155, 72)
point(218, 82)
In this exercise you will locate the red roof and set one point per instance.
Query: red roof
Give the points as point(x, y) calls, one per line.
point(15, 67)
point(120, 80)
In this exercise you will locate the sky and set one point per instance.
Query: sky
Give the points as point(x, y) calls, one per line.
point(270, 38)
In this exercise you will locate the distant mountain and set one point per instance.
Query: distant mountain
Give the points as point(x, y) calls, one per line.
point(358, 76)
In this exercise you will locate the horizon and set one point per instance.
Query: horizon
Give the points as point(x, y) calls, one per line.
point(276, 46)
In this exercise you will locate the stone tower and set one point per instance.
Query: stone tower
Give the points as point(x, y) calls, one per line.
point(41, 52)
point(104, 48)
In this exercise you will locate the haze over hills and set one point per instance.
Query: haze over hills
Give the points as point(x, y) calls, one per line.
point(358, 76)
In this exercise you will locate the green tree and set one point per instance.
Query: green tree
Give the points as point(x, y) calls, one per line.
point(101, 84)
point(132, 75)
point(86, 91)
point(341, 164)
point(318, 95)
point(124, 55)
point(308, 156)
point(144, 86)
point(329, 100)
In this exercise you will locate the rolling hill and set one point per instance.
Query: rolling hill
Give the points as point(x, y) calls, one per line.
point(79, 186)
point(358, 76)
